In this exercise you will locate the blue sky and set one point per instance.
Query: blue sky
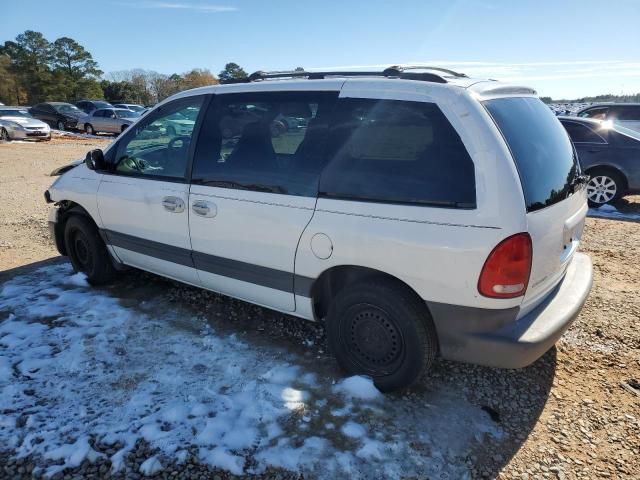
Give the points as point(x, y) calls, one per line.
point(563, 48)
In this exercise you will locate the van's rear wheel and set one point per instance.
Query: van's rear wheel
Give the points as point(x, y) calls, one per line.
point(87, 251)
point(604, 186)
point(383, 330)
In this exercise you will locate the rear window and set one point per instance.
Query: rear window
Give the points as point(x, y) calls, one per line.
point(581, 133)
point(540, 148)
point(399, 152)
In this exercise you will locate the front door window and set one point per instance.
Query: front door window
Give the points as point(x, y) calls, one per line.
point(160, 146)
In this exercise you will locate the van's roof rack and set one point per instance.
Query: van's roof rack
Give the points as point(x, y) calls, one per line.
point(429, 74)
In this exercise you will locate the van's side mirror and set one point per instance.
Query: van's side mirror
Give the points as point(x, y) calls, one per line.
point(95, 160)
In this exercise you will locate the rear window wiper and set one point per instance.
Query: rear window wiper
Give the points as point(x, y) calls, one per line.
point(579, 180)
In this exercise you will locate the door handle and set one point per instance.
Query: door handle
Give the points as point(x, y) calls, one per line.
point(204, 209)
point(173, 204)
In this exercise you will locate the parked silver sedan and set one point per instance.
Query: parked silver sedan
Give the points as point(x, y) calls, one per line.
point(17, 124)
point(109, 120)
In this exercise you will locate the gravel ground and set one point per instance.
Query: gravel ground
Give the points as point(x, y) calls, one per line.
point(572, 414)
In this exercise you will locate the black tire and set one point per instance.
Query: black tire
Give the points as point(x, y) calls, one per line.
point(602, 177)
point(123, 128)
point(60, 125)
point(88, 129)
point(87, 251)
point(4, 135)
point(380, 328)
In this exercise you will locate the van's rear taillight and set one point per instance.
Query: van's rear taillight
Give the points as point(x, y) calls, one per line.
point(506, 271)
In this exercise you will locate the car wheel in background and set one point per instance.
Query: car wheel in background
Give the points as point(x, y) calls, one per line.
point(87, 251)
point(171, 131)
point(603, 187)
point(4, 135)
point(123, 128)
point(382, 329)
point(60, 125)
point(88, 128)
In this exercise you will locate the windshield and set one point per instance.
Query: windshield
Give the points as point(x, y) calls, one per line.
point(135, 108)
point(627, 131)
point(126, 114)
point(68, 108)
point(14, 113)
point(99, 104)
point(540, 148)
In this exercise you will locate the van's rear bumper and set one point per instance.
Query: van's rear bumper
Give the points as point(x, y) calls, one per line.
point(497, 338)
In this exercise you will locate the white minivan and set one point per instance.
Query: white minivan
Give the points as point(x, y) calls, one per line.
point(417, 212)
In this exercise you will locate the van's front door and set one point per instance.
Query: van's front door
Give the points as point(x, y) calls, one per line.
point(143, 201)
point(254, 189)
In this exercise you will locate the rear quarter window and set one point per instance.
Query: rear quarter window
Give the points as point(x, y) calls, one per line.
point(397, 152)
point(540, 147)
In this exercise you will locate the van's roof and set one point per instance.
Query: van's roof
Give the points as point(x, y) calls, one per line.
point(482, 88)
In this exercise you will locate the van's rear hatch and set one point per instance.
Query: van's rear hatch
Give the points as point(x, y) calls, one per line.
point(551, 181)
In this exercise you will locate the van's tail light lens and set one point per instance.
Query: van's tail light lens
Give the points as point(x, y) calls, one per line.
point(506, 271)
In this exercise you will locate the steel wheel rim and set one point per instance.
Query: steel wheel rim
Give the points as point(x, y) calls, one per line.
point(4, 135)
point(373, 339)
point(60, 125)
point(81, 250)
point(601, 189)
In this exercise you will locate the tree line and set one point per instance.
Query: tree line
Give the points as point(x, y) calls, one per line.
point(34, 70)
point(631, 98)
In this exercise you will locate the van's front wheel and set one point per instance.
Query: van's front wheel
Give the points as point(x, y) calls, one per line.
point(87, 251)
point(382, 329)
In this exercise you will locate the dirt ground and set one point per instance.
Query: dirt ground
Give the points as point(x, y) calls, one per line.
point(573, 414)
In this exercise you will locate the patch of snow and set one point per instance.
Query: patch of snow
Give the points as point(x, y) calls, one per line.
point(609, 211)
point(78, 134)
point(353, 430)
point(151, 466)
point(358, 387)
point(79, 280)
point(81, 364)
point(371, 450)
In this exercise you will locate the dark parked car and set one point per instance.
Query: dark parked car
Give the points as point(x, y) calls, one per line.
point(610, 154)
point(60, 115)
point(625, 114)
point(88, 106)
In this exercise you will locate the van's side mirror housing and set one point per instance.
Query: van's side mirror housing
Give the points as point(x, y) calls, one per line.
point(95, 160)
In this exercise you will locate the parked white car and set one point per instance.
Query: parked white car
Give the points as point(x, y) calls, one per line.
point(16, 123)
point(131, 106)
point(417, 213)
